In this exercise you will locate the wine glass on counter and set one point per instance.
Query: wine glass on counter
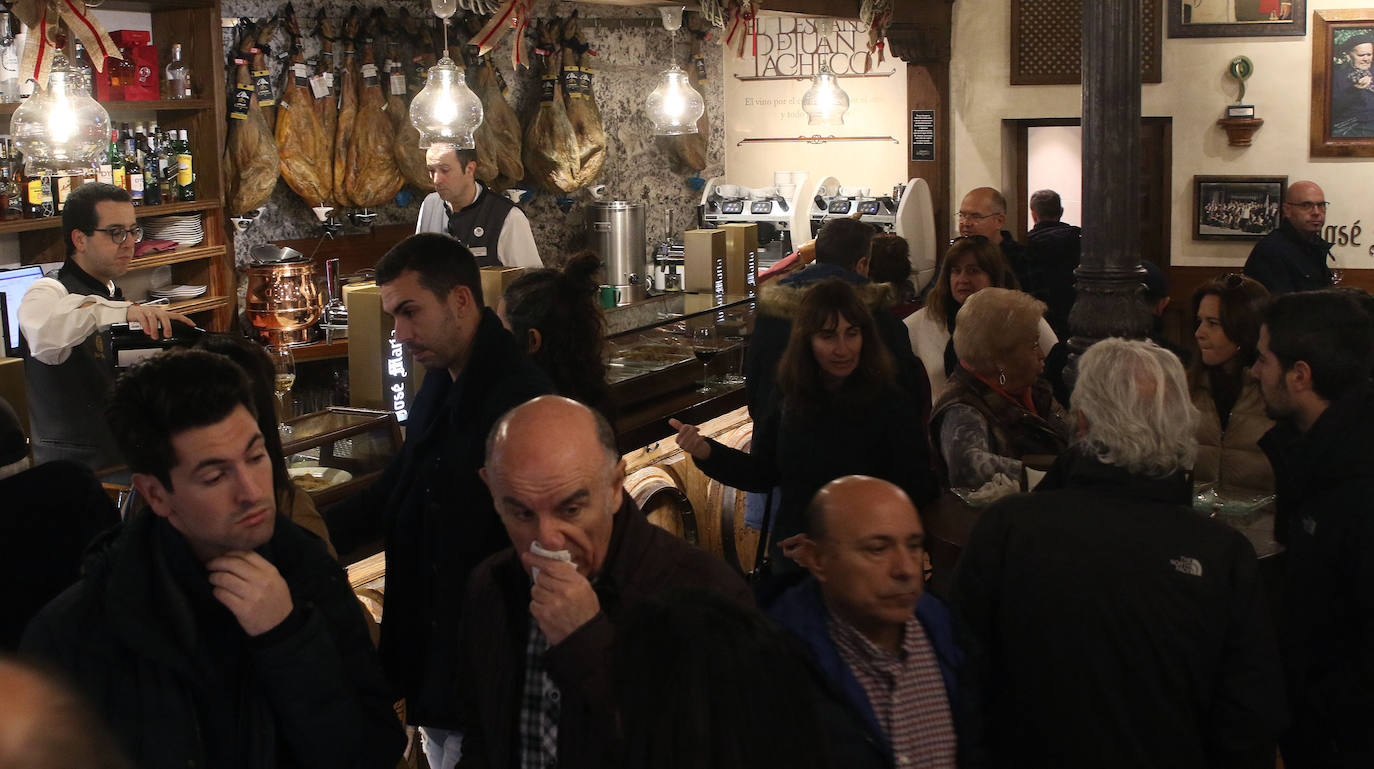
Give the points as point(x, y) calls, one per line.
point(284, 378)
point(705, 345)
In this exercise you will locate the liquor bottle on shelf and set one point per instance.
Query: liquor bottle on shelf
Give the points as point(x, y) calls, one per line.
point(178, 76)
point(105, 171)
point(133, 172)
point(9, 190)
point(38, 200)
point(116, 162)
point(166, 165)
point(15, 208)
point(186, 177)
point(152, 174)
point(62, 187)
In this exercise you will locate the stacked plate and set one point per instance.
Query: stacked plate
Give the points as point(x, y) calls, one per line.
point(176, 293)
point(185, 229)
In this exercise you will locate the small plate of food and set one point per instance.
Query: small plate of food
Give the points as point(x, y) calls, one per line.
point(312, 479)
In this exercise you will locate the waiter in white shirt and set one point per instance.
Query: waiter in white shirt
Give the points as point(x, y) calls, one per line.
point(492, 227)
point(64, 363)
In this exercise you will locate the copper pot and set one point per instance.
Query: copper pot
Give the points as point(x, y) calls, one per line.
point(283, 302)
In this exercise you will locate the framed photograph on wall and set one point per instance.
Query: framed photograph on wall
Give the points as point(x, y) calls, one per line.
point(1236, 207)
point(1237, 18)
point(1342, 83)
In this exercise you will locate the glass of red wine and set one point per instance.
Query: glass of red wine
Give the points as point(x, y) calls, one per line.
point(705, 345)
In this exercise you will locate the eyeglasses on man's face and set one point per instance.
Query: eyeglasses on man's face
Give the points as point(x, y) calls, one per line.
point(120, 234)
point(1307, 206)
point(969, 216)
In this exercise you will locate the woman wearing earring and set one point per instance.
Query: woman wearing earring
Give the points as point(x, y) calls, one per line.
point(1227, 313)
point(996, 408)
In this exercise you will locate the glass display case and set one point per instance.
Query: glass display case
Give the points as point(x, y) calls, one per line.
point(681, 342)
point(335, 453)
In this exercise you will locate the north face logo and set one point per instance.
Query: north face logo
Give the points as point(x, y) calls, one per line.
point(1185, 565)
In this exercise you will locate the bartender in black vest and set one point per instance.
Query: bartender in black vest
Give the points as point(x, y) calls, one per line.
point(65, 368)
point(494, 229)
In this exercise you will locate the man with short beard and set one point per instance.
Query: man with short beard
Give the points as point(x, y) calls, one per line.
point(1313, 368)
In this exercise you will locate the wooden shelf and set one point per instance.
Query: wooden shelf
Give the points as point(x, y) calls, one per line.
point(191, 254)
point(142, 212)
point(123, 107)
point(321, 350)
point(200, 304)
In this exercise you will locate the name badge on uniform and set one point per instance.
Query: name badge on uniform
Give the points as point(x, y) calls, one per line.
point(479, 251)
point(478, 232)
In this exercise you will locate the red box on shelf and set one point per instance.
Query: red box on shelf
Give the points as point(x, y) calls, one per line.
point(136, 77)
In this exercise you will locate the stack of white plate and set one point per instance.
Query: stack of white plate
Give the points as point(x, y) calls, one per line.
point(176, 293)
point(185, 229)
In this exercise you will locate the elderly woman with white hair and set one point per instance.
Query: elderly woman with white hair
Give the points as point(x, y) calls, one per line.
point(997, 409)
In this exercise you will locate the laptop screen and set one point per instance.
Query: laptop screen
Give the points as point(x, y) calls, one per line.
point(13, 284)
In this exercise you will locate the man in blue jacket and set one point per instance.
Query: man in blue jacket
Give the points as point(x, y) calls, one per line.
point(885, 648)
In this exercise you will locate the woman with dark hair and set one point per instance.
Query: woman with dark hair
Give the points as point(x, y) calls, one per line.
point(703, 683)
point(554, 315)
point(293, 503)
point(889, 261)
point(1226, 394)
point(841, 413)
point(972, 263)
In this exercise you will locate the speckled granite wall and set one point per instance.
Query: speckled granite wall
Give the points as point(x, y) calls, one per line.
point(631, 53)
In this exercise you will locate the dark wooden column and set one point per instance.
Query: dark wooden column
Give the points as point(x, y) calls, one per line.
point(1110, 301)
point(925, 48)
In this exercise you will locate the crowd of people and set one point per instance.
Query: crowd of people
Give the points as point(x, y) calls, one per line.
point(535, 618)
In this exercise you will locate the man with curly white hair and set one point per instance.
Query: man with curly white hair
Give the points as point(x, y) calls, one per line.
point(1103, 600)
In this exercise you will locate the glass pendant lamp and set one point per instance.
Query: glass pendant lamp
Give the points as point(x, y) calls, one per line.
point(446, 111)
point(825, 102)
point(674, 106)
point(60, 129)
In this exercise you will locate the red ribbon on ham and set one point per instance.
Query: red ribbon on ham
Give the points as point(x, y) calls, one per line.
point(42, 16)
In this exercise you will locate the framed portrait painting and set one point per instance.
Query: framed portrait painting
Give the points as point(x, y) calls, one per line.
point(1342, 83)
point(1236, 207)
point(1237, 18)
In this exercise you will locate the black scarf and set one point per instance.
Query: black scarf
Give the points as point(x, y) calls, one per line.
point(951, 359)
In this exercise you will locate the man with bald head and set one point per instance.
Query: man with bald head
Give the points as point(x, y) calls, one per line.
point(1294, 256)
point(535, 674)
point(984, 212)
point(45, 726)
point(883, 645)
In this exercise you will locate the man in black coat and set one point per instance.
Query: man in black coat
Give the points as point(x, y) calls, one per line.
point(536, 671)
point(1110, 624)
point(983, 211)
point(1293, 257)
point(1052, 251)
point(208, 630)
point(1313, 368)
point(430, 504)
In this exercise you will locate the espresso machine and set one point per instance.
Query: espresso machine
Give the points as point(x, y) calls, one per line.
point(907, 211)
point(777, 210)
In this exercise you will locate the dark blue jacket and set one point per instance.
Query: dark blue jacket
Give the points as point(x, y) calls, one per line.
point(801, 610)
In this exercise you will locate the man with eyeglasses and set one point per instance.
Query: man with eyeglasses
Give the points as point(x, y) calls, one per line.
point(984, 212)
point(64, 364)
point(1294, 256)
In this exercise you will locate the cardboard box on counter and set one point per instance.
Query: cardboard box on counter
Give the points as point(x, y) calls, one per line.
point(704, 261)
point(741, 257)
point(494, 283)
point(375, 367)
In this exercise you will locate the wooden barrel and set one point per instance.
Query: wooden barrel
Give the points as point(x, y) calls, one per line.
point(659, 495)
point(729, 537)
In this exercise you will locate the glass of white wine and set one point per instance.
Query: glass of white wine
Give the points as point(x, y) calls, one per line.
point(284, 378)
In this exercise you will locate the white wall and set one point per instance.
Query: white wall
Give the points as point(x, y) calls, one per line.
point(1054, 161)
point(1194, 93)
point(877, 107)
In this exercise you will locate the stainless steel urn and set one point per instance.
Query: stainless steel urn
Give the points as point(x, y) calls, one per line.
point(615, 231)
